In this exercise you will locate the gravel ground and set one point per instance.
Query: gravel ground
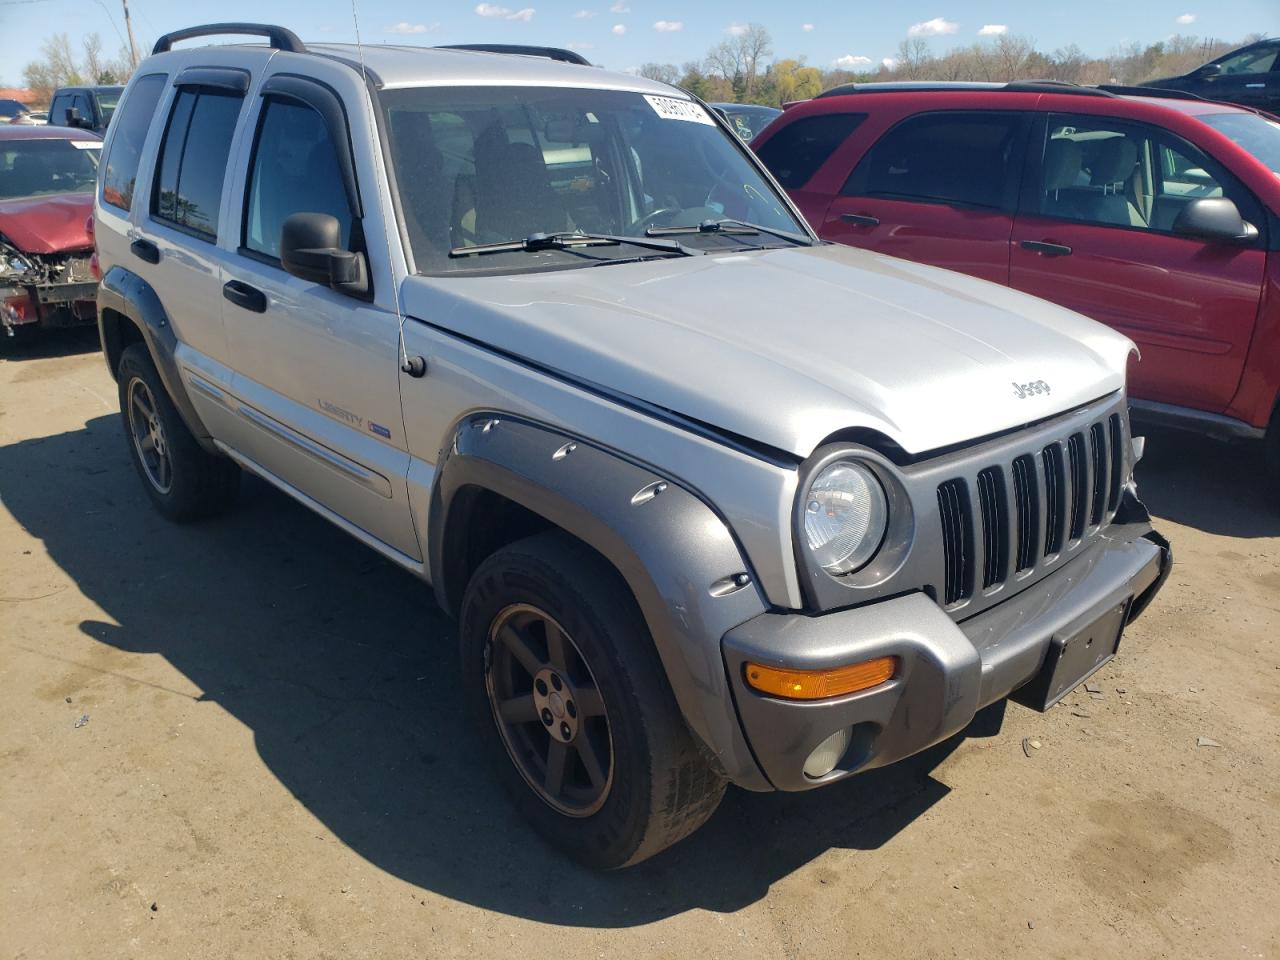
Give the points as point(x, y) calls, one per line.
point(275, 763)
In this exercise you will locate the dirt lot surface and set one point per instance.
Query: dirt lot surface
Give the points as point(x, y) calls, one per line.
point(275, 763)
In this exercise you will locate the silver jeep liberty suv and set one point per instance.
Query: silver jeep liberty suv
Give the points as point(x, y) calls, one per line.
point(712, 501)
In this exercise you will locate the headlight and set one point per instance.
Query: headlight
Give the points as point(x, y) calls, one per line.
point(845, 515)
point(12, 263)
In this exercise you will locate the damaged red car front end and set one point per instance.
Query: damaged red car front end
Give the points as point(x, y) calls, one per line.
point(47, 178)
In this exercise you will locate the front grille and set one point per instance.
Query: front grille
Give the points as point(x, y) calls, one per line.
point(1025, 511)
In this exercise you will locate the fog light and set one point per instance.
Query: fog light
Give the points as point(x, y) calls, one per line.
point(827, 754)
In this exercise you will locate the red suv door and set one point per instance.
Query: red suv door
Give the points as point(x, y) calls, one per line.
point(1095, 234)
point(940, 188)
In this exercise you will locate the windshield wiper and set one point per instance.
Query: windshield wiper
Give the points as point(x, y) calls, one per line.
point(732, 227)
point(565, 241)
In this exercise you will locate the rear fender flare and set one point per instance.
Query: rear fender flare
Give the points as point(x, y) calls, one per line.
point(124, 292)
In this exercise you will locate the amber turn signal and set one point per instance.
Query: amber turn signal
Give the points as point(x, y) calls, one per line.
point(820, 684)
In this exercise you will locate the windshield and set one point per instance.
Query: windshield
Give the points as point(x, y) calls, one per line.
point(34, 168)
point(1261, 137)
point(107, 100)
point(491, 164)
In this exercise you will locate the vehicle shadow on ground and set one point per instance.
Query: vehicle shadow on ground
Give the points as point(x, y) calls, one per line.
point(1216, 487)
point(43, 344)
point(346, 672)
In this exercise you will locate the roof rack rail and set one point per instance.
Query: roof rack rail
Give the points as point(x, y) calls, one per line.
point(967, 86)
point(550, 53)
point(281, 39)
point(1133, 91)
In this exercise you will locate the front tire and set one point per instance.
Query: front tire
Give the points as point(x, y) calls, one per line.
point(184, 481)
point(576, 708)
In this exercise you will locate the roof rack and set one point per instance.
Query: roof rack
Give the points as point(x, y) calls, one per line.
point(966, 86)
point(550, 53)
point(281, 39)
point(1125, 90)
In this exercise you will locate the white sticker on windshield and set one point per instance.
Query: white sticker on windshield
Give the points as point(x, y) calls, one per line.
point(87, 144)
point(673, 108)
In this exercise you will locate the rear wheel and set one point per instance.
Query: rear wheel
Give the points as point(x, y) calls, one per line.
point(576, 707)
point(184, 481)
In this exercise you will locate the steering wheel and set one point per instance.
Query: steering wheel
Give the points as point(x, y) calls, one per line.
point(651, 219)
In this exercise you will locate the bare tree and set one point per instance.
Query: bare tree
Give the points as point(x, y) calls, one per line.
point(662, 72)
point(740, 59)
point(913, 58)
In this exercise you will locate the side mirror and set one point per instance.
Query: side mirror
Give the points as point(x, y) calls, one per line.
point(73, 117)
point(1208, 70)
point(311, 249)
point(1214, 218)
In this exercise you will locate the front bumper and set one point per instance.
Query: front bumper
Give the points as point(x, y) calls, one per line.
point(947, 670)
point(49, 304)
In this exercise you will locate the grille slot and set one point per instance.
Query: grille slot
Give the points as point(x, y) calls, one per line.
point(1079, 476)
point(1117, 462)
point(957, 541)
point(1026, 503)
point(1098, 451)
point(995, 526)
point(1054, 502)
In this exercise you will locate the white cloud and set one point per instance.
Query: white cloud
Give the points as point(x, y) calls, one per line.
point(1186, 19)
point(669, 26)
point(620, 7)
point(736, 29)
point(619, 29)
point(807, 28)
point(404, 26)
point(584, 15)
point(993, 30)
point(889, 63)
point(493, 10)
point(932, 28)
point(849, 61)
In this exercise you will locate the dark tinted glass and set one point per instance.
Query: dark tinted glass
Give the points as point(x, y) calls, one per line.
point(35, 168)
point(295, 170)
point(58, 110)
point(193, 160)
point(964, 159)
point(795, 152)
point(126, 148)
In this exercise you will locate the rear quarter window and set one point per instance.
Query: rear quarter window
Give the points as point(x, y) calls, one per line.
point(794, 154)
point(125, 157)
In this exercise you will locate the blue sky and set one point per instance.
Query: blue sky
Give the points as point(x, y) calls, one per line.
point(622, 34)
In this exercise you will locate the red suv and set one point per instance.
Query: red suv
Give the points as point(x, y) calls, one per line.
point(1152, 213)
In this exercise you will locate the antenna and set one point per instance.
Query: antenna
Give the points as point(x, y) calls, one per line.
point(415, 366)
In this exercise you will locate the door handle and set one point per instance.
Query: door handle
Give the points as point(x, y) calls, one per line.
point(245, 296)
point(1046, 248)
point(145, 250)
point(860, 219)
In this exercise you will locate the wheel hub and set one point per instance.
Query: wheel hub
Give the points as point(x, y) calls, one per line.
point(553, 698)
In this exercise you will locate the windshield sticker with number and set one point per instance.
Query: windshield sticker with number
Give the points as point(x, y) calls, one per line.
point(673, 108)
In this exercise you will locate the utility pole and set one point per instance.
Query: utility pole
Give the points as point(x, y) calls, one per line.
point(128, 25)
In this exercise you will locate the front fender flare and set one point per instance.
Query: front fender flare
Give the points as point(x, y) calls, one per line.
point(678, 557)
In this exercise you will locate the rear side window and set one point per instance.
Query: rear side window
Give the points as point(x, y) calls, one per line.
point(795, 152)
point(193, 160)
point(295, 170)
point(963, 159)
point(121, 172)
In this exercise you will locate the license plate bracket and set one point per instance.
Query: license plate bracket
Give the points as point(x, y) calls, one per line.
point(1073, 657)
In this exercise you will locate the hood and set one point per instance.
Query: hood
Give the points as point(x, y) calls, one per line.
point(789, 347)
point(52, 224)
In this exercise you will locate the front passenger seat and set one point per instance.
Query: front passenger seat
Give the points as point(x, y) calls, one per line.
point(514, 197)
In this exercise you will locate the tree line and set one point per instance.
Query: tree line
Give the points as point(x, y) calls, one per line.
point(740, 69)
point(61, 65)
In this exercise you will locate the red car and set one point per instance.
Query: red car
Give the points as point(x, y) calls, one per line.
point(47, 179)
point(1155, 213)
